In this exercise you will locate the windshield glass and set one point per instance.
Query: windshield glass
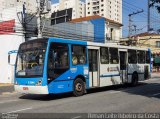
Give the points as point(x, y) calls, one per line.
point(30, 59)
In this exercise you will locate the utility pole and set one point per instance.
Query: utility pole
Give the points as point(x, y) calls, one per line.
point(41, 8)
point(130, 21)
point(135, 28)
point(149, 16)
point(24, 20)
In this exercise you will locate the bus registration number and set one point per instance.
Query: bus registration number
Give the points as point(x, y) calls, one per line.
point(25, 88)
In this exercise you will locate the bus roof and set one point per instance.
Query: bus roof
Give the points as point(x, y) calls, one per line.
point(81, 42)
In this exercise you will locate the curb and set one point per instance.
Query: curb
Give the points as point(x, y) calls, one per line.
point(5, 84)
point(6, 89)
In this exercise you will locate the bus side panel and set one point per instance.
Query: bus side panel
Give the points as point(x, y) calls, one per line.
point(64, 83)
point(61, 87)
point(109, 75)
point(131, 69)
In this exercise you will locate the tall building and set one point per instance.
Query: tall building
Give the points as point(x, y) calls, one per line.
point(111, 9)
point(31, 5)
point(77, 6)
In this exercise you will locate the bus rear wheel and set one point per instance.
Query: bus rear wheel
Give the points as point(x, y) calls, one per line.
point(134, 79)
point(78, 87)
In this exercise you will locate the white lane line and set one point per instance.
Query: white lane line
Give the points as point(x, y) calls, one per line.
point(77, 117)
point(113, 92)
point(8, 101)
point(156, 94)
point(18, 110)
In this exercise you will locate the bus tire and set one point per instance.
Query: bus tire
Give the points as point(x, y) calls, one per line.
point(134, 79)
point(78, 87)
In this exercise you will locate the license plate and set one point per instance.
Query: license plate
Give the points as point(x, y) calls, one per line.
point(25, 88)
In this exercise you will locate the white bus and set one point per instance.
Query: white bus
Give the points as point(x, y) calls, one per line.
point(54, 65)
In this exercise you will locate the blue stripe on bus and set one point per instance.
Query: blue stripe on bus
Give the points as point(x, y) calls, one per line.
point(111, 75)
point(132, 73)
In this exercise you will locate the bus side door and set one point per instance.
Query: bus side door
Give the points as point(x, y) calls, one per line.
point(93, 55)
point(123, 66)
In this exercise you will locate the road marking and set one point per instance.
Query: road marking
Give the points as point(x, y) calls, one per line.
point(113, 92)
point(156, 94)
point(18, 110)
point(8, 101)
point(77, 117)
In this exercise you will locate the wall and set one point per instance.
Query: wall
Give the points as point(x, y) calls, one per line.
point(9, 42)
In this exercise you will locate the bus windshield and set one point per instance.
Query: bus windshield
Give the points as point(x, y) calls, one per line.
point(30, 59)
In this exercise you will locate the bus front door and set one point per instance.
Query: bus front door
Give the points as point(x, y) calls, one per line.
point(93, 67)
point(123, 66)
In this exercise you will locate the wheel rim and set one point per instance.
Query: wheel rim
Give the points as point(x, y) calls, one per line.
point(79, 87)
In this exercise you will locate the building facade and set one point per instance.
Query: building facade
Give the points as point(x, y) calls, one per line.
point(111, 9)
point(11, 36)
point(152, 41)
point(77, 6)
point(31, 5)
point(111, 29)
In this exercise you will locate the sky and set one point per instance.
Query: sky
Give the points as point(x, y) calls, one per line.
point(139, 20)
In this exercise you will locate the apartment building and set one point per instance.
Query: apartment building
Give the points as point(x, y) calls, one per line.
point(77, 6)
point(31, 5)
point(111, 9)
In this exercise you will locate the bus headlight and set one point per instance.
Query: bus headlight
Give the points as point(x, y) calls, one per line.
point(39, 83)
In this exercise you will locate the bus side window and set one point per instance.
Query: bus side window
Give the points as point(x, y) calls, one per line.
point(114, 58)
point(141, 57)
point(78, 55)
point(132, 56)
point(104, 55)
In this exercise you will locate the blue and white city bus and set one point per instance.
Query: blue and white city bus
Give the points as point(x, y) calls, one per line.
point(54, 65)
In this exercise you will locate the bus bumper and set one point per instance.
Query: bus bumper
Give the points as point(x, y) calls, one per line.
point(31, 89)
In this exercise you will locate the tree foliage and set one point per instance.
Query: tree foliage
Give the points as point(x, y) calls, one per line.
point(156, 4)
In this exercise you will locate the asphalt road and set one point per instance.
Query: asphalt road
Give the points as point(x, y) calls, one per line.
point(144, 98)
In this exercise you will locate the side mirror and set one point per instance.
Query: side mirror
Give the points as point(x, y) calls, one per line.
point(12, 57)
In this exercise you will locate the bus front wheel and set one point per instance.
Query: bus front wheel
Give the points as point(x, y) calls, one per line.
point(78, 87)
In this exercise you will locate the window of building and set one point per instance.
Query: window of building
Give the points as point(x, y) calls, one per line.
point(102, 9)
point(141, 57)
point(89, 3)
point(102, 5)
point(104, 55)
point(132, 56)
point(158, 44)
point(78, 55)
point(102, 0)
point(113, 52)
point(88, 12)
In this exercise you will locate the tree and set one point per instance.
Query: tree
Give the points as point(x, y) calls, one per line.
point(155, 3)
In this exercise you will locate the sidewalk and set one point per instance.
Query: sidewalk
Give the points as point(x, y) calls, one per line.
point(155, 74)
point(6, 88)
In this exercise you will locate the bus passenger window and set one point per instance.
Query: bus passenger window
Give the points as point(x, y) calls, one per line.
point(78, 55)
point(114, 59)
point(104, 56)
point(58, 61)
point(132, 56)
point(141, 57)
